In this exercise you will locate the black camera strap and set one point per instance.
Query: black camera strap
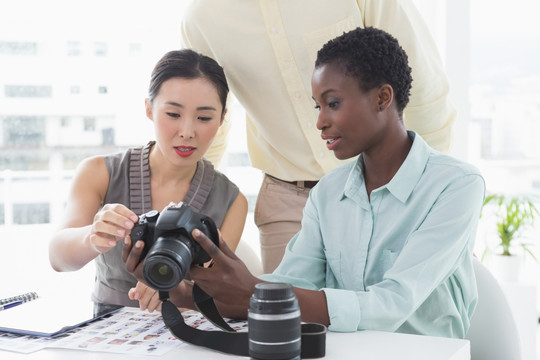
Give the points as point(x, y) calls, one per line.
point(229, 341)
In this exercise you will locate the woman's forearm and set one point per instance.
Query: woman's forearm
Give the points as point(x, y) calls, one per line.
point(70, 249)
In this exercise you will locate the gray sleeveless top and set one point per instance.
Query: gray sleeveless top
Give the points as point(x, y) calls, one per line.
point(211, 193)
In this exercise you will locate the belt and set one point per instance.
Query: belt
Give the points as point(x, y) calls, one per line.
point(304, 184)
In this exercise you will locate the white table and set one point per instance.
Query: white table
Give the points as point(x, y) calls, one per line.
point(365, 345)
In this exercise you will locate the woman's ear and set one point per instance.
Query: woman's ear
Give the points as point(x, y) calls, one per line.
point(385, 96)
point(148, 106)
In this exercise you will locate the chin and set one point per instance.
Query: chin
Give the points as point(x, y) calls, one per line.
point(342, 156)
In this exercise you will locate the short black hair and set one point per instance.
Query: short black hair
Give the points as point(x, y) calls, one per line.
point(188, 64)
point(374, 58)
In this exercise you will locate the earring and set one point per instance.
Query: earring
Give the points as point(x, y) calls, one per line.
point(381, 108)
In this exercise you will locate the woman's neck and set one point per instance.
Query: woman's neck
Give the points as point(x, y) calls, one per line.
point(168, 183)
point(164, 172)
point(381, 164)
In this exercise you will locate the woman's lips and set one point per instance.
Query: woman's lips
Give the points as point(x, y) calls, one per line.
point(332, 142)
point(184, 151)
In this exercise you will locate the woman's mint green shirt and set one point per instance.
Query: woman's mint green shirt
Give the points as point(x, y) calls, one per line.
point(400, 261)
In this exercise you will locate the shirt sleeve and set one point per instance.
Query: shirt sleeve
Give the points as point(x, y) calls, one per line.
point(429, 112)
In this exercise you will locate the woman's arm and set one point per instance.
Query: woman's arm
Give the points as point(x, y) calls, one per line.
point(231, 284)
point(86, 231)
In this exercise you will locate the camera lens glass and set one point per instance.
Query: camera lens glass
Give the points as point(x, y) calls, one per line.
point(161, 273)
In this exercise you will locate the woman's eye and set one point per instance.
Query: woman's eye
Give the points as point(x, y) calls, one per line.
point(205, 117)
point(333, 104)
point(173, 115)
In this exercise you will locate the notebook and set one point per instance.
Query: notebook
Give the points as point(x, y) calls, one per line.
point(49, 316)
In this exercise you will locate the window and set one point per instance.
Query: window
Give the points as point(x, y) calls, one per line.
point(89, 124)
point(22, 131)
point(100, 48)
point(64, 121)
point(18, 48)
point(26, 214)
point(74, 48)
point(505, 83)
point(107, 136)
point(16, 91)
point(134, 49)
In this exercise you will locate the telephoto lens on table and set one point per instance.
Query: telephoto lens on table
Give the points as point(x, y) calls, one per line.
point(274, 323)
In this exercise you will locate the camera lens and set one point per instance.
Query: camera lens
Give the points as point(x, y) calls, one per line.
point(167, 263)
point(274, 325)
point(161, 273)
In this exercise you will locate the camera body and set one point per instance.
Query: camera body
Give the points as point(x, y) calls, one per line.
point(170, 249)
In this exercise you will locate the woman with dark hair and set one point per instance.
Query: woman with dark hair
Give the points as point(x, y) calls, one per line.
point(186, 103)
point(387, 240)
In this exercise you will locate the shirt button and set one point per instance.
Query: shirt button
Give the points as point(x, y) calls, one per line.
point(274, 30)
point(321, 154)
point(297, 95)
point(309, 125)
point(287, 64)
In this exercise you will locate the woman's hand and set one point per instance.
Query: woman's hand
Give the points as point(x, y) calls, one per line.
point(227, 279)
point(111, 224)
point(148, 297)
point(131, 255)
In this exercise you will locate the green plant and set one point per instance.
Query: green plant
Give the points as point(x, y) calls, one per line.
point(513, 214)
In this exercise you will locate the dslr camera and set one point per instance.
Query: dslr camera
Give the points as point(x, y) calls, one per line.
point(169, 249)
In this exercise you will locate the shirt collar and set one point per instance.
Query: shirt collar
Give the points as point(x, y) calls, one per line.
point(403, 182)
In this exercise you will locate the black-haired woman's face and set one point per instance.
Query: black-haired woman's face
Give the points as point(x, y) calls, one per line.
point(187, 115)
point(348, 117)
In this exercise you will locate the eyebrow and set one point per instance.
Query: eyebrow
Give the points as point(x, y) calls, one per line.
point(198, 108)
point(324, 93)
point(327, 91)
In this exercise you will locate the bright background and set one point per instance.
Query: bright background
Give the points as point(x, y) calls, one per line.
point(74, 74)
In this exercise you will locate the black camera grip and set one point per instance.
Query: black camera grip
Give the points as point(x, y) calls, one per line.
point(212, 229)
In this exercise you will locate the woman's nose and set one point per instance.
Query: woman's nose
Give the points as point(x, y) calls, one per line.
point(186, 130)
point(321, 121)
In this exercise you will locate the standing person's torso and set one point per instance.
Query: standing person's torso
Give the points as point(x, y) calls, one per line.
point(269, 60)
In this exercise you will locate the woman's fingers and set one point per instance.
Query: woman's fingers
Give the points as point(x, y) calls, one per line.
point(148, 298)
point(132, 257)
point(207, 244)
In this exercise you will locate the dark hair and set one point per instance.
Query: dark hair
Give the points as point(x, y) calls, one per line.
point(188, 64)
point(372, 56)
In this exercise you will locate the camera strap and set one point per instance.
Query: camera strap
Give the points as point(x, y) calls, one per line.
point(313, 338)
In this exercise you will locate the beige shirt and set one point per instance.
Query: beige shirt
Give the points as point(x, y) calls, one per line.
point(268, 50)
